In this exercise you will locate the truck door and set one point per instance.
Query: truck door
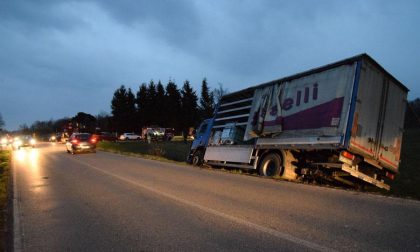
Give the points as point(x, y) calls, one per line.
point(202, 136)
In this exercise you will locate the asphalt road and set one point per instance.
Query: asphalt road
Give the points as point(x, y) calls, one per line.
point(108, 202)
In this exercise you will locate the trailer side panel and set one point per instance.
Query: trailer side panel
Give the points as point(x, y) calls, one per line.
point(304, 109)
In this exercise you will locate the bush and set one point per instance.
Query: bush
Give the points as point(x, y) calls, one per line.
point(176, 151)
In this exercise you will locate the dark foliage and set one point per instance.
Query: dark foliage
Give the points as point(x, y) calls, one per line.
point(159, 107)
point(189, 108)
point(124, 110)
point(141, 101)
point(2, 123)
point(172, 106)
point(206, 101)
point(412, 114)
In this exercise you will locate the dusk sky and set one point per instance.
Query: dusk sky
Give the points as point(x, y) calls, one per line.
point(58, 58)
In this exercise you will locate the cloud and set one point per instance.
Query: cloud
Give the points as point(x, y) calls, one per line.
point(56, 53)
point(34, 16)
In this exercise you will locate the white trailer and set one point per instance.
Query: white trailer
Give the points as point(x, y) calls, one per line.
point(342, 122)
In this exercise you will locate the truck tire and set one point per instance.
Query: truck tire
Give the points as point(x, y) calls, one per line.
point(270, 166)
point(197, 159)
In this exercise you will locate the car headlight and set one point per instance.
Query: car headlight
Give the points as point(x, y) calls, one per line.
point(32, 141)
point(4, 140)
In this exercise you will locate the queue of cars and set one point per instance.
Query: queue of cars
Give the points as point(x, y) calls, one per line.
point(150, 134)
point(17, 142)
point(86, 142)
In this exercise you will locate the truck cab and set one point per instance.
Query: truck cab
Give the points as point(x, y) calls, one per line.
point(200, 142)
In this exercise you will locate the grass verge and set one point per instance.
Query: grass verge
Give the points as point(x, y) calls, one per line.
point(4, 190)
point(164, 151)
point(407, 182)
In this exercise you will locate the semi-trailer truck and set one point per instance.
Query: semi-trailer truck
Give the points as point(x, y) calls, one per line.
point(340, 123)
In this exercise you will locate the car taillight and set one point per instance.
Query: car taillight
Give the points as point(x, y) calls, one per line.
point(348, 155)
point(93, 140)
point(74, 141)
point(390, 175)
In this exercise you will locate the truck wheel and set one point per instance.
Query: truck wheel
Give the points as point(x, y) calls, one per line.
point(270, 166)
point(197, 159)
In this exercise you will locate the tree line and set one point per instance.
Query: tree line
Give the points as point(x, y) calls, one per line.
point(164, 106)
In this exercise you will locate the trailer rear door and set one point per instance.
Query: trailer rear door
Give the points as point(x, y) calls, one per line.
point(392, 130)
point(367, 113)
point(376, 131)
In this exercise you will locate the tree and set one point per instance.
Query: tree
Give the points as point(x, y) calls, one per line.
point(24, 129)
point(131, 112)
point(123, 110)
point(60, 124)
point(42, 128)
point(84, 122)
point(172, 105)
point(103, 121)
point(206, 101)
point(412, 114)
point(118, 104)
point(189, 117)
point(151, 115)
point(160, 105)
point(1, 123)
point(141, 101)
point(219, 92)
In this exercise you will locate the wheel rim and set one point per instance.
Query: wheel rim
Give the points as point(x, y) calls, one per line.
point(196, 159)
point(270, 168)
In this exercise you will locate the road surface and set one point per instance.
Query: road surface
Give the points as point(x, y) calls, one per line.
point(109, 202)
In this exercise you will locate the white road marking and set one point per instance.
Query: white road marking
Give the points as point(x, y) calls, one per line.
point(249, 224)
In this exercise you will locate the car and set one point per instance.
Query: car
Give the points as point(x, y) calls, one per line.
point(4, 142)
point(169, 133)
point(130, 136)
point(23, 141)
point(53, 138)
point(154, 134)
point(105, 136)
point(81, 142)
